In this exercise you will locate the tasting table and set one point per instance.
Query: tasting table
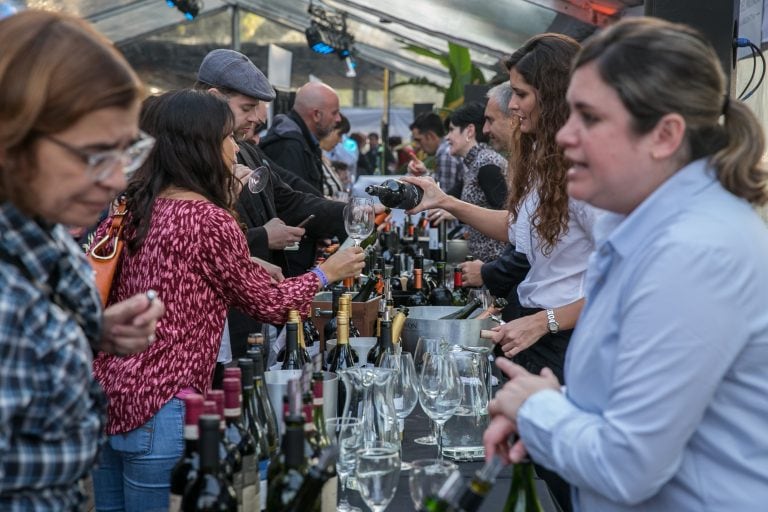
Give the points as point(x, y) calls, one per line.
point(418, 425)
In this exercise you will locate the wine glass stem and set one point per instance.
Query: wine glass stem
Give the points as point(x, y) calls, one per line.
point(343, 500)
point(439, 440)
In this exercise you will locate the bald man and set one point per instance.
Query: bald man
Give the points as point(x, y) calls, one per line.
point(293, 139)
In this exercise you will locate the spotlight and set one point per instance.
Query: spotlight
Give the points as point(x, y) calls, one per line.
point(317, 40)
point(190, 8)
point(351, 65)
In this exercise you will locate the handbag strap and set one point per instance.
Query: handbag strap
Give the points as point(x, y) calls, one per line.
point(114, 232)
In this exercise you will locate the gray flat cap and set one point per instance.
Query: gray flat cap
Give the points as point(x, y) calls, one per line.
point(231, 69)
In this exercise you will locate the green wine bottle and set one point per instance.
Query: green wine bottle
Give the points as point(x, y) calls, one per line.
point(464, 312)
point(522, 495)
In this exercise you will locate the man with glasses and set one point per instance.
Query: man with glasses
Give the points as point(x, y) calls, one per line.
point(271, 212)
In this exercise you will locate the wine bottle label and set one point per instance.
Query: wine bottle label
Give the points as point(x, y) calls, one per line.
point(175, 503)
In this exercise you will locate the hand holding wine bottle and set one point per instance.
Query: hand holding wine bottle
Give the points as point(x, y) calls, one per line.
point(433, 196)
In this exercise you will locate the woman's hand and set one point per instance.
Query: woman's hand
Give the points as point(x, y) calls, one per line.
point(438, 215)
point(433, 196)
point(129, 326)
point(346, 263)
point(517, 335)
point(470, 273)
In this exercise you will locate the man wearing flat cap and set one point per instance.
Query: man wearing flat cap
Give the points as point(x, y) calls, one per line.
point(285, 201)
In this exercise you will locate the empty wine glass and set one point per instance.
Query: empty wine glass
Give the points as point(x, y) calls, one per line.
point(258, 179)
point(427, 346)
point(427, 477)
point(347, 433)
point(359, 218)
point(440, 391)
point(405, 392)
point(378, 471)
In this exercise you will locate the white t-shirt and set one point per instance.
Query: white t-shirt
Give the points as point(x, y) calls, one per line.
point(555, 279)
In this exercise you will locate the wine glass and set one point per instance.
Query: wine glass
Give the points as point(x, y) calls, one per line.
point(427, 346)
point(440, 392)
point(258, 179)
point(359, 218)
point(427, 477)
point(378, 471)
point(405, 392)
point(347, 432)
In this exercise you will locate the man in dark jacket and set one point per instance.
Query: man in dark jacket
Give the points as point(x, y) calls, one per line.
point(293, 141)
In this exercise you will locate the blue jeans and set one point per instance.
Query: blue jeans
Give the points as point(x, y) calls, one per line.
point(134, 470)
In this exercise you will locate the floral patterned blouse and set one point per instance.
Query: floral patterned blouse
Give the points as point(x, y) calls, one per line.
point(196, 257)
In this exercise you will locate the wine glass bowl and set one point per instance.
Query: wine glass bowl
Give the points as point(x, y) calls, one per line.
point(347, 434)
point(440, 392)
point(378, 472)
point(359, 218)
point(404, 388)
point(258, 179)
point(426, 345)
point(427, 477)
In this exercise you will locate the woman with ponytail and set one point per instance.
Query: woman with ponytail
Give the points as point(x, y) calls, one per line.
point(666, 370)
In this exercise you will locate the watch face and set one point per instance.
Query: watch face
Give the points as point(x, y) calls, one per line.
point(553, 327)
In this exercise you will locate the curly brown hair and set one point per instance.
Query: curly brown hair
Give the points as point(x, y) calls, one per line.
point(544, 61)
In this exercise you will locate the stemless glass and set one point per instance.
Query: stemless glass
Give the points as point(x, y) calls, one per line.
point(424, 346)
point(440, 391)
point(347, 433)
point(405, 391)
point(378, 470)
point(359, 218)
point(427, 477)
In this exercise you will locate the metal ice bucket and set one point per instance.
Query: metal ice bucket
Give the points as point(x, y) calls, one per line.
point(277, 384)
point(425, 321)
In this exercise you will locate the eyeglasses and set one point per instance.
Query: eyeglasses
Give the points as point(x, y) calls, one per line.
point(101, 164)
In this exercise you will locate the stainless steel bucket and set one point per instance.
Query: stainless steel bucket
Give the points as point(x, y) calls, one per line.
point(425, 321)
point(277, 384)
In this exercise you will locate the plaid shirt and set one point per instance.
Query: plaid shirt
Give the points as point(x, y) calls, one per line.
point(448, 169)
point(51, 409)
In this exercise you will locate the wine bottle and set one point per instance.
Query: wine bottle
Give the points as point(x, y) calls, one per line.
point(397, 268)
point(418, 263)
point(210, 491)
point(285, 485)
point(311, 336)
point(266, 418)
point(440, 295)
point(398, 323)
point(341, 357)
point(522, 492)
point(367, 289)
point(453, 497)
point(185, 470)
point(293, 359)
point(319, 476)
point(228, 449)
point(459, 295)
point(437, 241)
point(330, 483)
point(464, 312)
point(250, 419)
point(383, 344)
point(397, 194)
point(243, 440)
point(329, 331)
point(294, 317)
point(494, 309)
point(417, 298)
point(256, 342)
point(346, 305)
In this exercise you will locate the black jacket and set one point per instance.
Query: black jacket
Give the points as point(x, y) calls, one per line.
point(502, 275)
point(290, 144)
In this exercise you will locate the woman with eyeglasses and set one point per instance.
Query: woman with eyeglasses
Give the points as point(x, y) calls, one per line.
point(183, 240)
point(68, 136)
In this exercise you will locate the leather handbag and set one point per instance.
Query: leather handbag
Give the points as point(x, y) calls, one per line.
point(104, 255)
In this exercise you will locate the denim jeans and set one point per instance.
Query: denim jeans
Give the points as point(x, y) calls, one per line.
point(134, 470)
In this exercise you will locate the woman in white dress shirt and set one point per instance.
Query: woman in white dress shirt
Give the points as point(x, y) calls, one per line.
point(664, 408)
point(553, 231)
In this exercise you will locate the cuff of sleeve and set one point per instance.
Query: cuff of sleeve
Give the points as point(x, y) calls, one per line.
point(537, 418)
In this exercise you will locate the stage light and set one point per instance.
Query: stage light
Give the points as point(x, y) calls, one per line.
point(190, 8)
point(351, 65)
point(317, 41)
point(327, 34)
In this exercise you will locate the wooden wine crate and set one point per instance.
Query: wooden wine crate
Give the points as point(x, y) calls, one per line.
point(363, 314)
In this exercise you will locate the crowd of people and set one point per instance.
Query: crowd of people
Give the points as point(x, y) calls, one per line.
point(608, 188)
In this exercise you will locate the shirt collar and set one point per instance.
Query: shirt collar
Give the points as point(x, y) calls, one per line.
point(626, 232)
point(32, 243)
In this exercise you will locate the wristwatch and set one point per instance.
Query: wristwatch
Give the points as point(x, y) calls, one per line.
point(552, 324)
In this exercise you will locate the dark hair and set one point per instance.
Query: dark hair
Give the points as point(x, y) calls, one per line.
point(544, 61)
point(343, 124)
point(470, 114)
point(656, 68)
point(54, 69)
point(429, 122)
point(189, 127)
